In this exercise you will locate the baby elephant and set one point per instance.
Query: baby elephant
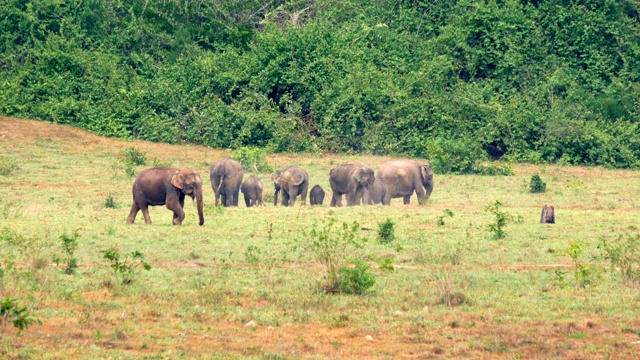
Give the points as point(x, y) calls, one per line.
point(252, 191)
point(316, 196)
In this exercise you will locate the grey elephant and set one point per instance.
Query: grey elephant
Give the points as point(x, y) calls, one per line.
point(350, 179)
point(374, 195)
point(316, 195)
point(252, 191)
point(165, 186)
point(404, 176)
point(292, 181)
point(226, 178)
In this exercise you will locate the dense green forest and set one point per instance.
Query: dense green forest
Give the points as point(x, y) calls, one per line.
point(457, 80)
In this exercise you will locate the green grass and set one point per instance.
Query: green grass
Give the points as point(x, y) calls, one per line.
point(202, 287)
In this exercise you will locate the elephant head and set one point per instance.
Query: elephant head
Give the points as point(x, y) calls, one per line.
point(364, 176)
point(426, 175)
point(275, 177)
point(190, 183)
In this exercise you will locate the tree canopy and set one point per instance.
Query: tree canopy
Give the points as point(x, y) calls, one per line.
point(528, 80)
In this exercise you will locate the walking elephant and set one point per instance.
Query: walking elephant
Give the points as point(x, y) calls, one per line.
point(292, 181)
point(226, 178)
point(316, 195)
point(252, 191)
point(350, 179)
point(404, 176)
point(165, 186)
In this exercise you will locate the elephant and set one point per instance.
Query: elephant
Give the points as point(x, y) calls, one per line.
point(252, 190)
point(350, 179)
point(316, 195)
point(404, 176)
point(292, 181)
point(226, 178)
point(165, 186)
point(374, 195)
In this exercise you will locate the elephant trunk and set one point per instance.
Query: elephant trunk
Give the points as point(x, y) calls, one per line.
point(198, 192)
point(275, 198)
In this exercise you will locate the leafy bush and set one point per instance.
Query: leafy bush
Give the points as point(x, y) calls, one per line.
point(134, 157)
point(126, 266)
point(69, 246)
point(357, 280)
point(536, 185)
point(252, 159)
point(386, 231)
point(110, 202)
point(502, 218)
point(624, 253)
point(19, 316)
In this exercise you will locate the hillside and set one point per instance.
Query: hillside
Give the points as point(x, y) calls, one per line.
point(514, 296)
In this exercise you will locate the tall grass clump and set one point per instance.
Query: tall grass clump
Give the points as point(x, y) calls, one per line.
point(624, 253)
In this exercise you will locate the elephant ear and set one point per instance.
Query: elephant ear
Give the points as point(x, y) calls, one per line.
point(358, 173)
point(177, 179)
point(426, 172)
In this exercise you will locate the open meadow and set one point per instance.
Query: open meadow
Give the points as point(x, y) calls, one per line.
point(452, 281)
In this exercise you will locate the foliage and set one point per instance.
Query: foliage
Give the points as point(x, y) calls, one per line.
point(458, 82)
point(440, 219)
point(386, 231)
point(125, 266)
point(110, 202)
point(583, 275)
point(445, 273)
point(624, 253)
point(134, 157)
point(502, 218)
point(355, 280)
point(536, 185)
point(19, 316)
point(7, 165)
point(332, 246)
point(252, 159)
point(69, 246)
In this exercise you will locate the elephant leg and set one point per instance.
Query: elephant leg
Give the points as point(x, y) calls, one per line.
point(247, 201)
point(386, 200)
point(333, 200)
point(132, 214)
point(178, 213)
point(223, 199)
point(175, 216)
point(293, 193)
point(407, 199)
point(145, 213)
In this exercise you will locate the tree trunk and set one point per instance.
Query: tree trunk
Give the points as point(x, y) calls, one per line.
point(547, 216)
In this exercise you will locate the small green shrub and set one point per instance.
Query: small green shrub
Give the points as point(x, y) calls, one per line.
point(386, 231)
point(445, 213)
point(502, 218)
point(536, 185)
point(69, 246)
point(357, 280)
point(134, 156)
point(7, 165)
point(386, 264)
point(583, 274)
point(110, 202)
point(624, 253)
point(10, 311)
point(126, 267)
point(252, 159)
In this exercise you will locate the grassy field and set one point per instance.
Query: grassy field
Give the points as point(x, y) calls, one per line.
point(513, 297)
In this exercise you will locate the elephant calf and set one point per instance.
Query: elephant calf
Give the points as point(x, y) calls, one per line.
point(252, 191)
point(165, 186)
point(316, 196)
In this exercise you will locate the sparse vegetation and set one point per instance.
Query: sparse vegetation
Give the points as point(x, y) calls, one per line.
point(69, 246)
point(110, 202)
point(502, 218)
point(7, 165)
point(11, 312)
point(624, 253)
point(252, 159)
point(445, 213)
point(125, 266)
point(386, 231)
point(135, 157)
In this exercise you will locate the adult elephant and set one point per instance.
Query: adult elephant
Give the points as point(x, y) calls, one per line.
point(350, 179)
point(292, 181)
point(252, 191)
point(165, 186)
point(404, 176)
point(226, 178)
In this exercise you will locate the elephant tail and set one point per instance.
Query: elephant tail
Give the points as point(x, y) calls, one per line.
point(220, 184)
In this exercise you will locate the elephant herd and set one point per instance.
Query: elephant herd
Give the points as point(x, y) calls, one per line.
point(355, 180)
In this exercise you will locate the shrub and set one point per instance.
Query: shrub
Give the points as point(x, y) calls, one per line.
point(134, 157)
point(386, 231)
point(583, 274)
point(125, 267)
point(110, 202)
point(624, 253)
point(10, 311)
point(536, 185)
point(357, 280)
point(445, 213)
point(252, 159)
point(69, 246)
